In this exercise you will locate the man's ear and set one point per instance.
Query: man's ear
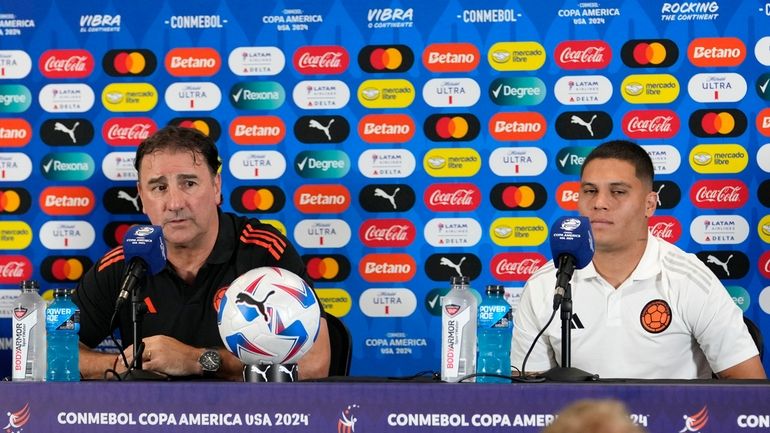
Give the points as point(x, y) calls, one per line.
point(650, 204)
point(218, 188)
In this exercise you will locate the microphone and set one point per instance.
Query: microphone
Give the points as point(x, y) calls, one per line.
point(572, 247)
point(144, 250)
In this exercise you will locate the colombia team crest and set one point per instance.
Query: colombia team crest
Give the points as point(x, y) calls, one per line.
point(656, 316)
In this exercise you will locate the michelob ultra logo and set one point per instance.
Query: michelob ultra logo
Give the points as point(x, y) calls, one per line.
point(336, 302)
point(129, 63)
point(451, 57)
point(519, 232)
point(451, 162)
point(193, 62)
point(15, 132)
point(14, 166)
point(518, 161)
point(14, 64)
point(723, 87)
point(15, 235)
point(718, 123)
point(322, 233)
point(716, 52)
point(268, 164)
point(650, 88)
point(385, 58)
point(68, 235)
point(520, 126)
point(257, 95)
point(397, 93)
point(451, 92)
point(122, 97)
point(516, 56)
point(192, 96)
point(718, 158)
point(67, 166)
point(322, 164)
point(14, 98)
point(517, 91)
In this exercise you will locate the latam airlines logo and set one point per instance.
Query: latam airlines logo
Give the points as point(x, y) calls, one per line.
point(718, 123)
point(249, 165)
point(649, 124)
point(665, 158)
point(67, 132)
point(389, 302)
point(387, 268)
point(127, 131)
point(452, 232)
point(718, 158)
point(66, 98)
point(451, 57)
point(519, 126)
point(583, 90)
point(722, 87)
point(716, 52)
point(650, 88)
point(719, 194)
point(516, 266)
point(256, 61)
point(15, 235)
point(387, 233)
point(119, 166)
point(386, 163)
point(517, 91)
point(395, 93)
point(451, 92)
point(15, 98)
point(67, 166)
point(322, 94)
point(15, 132)
point(516, 56)
point(14, 64)
point(194, 96)
point(322, 233)
point(257, 199)
point(527, 231)
point(60, 200)
point(318, 199)
point(518, 161)
point(386, 128)
point(584, 125)
point(583, 55)
point(193, 62)
point(649, 53)
point(719, 229)
point(322, 164)
point(452, 197)
point(66, 63)
point(67, 235)
point(385, 58)
point(125, 97)
point(321, 59)
point(14, 167)
point(665, 227)
point(386, 198)
point(129, 63)
point(452, 162)
point(257, 130)
point(321, 129)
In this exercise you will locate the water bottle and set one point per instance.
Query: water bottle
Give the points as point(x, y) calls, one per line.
point(495, 328)
point(62, 322)
point(28, 331)
point(458, 331)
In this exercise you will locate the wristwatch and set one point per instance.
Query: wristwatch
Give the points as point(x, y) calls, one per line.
point(210, 362)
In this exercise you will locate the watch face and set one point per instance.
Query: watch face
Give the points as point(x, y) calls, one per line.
point(210, 360)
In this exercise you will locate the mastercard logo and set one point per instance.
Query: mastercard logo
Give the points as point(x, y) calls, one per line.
point(518, 196)
point(652, 53)
point(327, 267)
point(263, 199)
point(718, 123)
point(115, 231)
point(206, 125)
point(452, 127)
point(14, 201)
point(132, 63)
point(385, 58)
point(64, 269)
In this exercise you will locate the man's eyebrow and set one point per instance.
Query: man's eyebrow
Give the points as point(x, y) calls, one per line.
point(612, 184)
point(158, 179)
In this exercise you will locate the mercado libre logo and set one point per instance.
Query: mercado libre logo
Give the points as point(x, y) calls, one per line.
point(129, 63)
point(17, 420)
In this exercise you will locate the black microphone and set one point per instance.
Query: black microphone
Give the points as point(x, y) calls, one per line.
point(572, 247)
point(144, 250)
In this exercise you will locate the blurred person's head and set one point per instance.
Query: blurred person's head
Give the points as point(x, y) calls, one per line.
point(593, 416)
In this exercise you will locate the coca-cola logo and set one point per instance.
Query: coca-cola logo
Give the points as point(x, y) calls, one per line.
point(651, 124)
point(330, 59)
point(719, 194)
point(665, 227)
point(66, 64)
point(121, 131)
point(457, 197)
point(391, 232)
point(764, 264)
point(583, 54)
point(14, 269)
point(516, 266)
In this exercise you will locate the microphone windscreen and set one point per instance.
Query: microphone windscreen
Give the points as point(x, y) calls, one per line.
point(572, 236)
point(145, 242)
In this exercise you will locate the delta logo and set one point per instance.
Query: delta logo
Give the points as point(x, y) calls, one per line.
point(335, 94)
point(127, 131)
point(516, 266)
point(520, 126)
point(518, 232)
point(583, 90)
point(193, 62)
point(321, 129)
point(665, 227)
point(718, 123)
point(66, 63)
point(719, 194)
point(761, 86)
point(451, 127)
point(129, 97)
point(15, 133)
point(386, 128)
point(452, 162)
point(572, 55)
point(14, 269)
point(67, 132)
point(14, 64)
point(517, 91)
point(516, 56)
point(665, 158)
point(208, 126)
point(584, 125)
point(62, 98)
point(396, 93)
point(386, 163)
point(649, 53)
point(321, 59)
point(716, 52)
point(67, 200)
point(452, 197)
point(518, 161)
point(650, 88)
point(257, 199)
point(387, 233)
point(385, 58)
point(251, 61)
point(119, 166)
point(718, 158)
point(392, 197)
point(721, 229)
point(722, 87)
point(441, 267)
point(451, 57)
point(15, 166)
point(518, 196)
point(452, 232)
point(387, 268)
point(451, 92)
point(322, 199)
point(14, 201)
point(129, 63)
point(15, 235)
point(64, 269)
point(327, 268)
point(247, 130)
point(567, 195)
point(651, 124)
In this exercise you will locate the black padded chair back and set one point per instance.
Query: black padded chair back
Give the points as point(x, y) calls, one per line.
point(756, 334)
point(341, 346)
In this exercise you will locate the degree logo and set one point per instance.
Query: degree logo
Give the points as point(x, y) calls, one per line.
point(67, 132)
point(320, 199)
point(451, 57)
point(386, 198)
point(518, 196)
point(15, 235)
point(62, 200)
point(14, 201)
point(193, 62)
point(15, 64)
point(650, 88)
point(761, 86)
point(452, 162)
point(718, 158)
point(193, 96)
point(442, 267)
point(15, 132)
point(570, 159)
point(247, 130)
point(567, 195)
point(649, 53)
point(584, 125)
point(520, 126)
point(385, 58)
point(17, 98)
point(516, 56)
point(327, 267)
point(716, 52)
point(718, 123)
point(125, 97)
point(207, 125)
point(386, 128)
point(517, 91)
point(64, 269)
point(322, 164)
point(66, 63)
point(396, 93)
point(258, 199)
point(321, 129)
point(526, 231)
point(432, 298)
point(452, 127)
point(129, 63)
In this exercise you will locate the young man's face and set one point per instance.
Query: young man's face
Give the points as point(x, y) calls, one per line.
point(617, 203)
point(180, 194)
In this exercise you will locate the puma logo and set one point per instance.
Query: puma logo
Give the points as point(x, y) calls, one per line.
point(245, 298)
point(713, 260)
point(58, 126)
point(317, 125)
point(456, 266)
point(390, 197)
point(588, 125)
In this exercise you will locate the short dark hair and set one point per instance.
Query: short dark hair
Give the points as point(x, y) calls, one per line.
point(177, 138)
point(625, 151)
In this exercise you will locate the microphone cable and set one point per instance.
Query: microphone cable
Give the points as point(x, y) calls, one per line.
point(522, 372)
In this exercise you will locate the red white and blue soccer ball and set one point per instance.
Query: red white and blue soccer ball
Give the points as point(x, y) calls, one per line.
point(268, 315)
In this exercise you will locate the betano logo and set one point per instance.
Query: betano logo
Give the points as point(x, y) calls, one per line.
point(517, 91)
point(716, 52)
point(387, 233)
point(451, 57)
point(64, 269)
point(129, 97)
point(336, 302)
point(650, 88)
point(718, 123)
point(67, 235)
point(321, 59)
point(518, 196)
point(253, 61)
point(66, 63)
point(722, 87)
point(718, 158)
point(322, 199)
point(386, 128)
point(248, 165)
point(15, 235)
point(129, 63)
point(257, 95)
point(763, 228)
point(327, 267)
point(518, 161)
point(246, 130)
point(397, 93)
point(649, 53)
point(14, 98)
point(14, 201)
point(67, 200)
point(567, 195)
point(525, 231)
point(516, 56)
point(15, 132)
point(14, 64)
point(387, 268)
point(258, 199)
point(67, 166)
point(322, 164)
point(452, 162)
point(385, 58)
point(521, 126)
point(573, 55)
point(763, 122)
point(451, 92)
point(451, 127)
point(193, 62)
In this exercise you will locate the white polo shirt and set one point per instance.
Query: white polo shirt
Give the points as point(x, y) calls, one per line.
point(616, 334)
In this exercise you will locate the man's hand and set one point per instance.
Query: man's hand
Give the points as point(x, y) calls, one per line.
point(167, 355)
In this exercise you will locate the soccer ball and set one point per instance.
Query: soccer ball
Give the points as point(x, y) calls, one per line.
point(268, 315)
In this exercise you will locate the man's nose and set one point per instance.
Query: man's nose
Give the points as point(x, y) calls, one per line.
point(175, 199)
point(601, 200)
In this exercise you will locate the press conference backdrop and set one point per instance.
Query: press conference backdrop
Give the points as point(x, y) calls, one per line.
point(396, 143)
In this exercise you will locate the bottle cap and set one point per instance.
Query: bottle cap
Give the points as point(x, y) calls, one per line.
point(60, 292)
point(495, 289)
point(29, 285)
point(459, 280)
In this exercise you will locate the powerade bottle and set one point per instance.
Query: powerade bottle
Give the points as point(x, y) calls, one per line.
point(28, 334)
point(458, 331)
point(62, 322)
point(495, 329)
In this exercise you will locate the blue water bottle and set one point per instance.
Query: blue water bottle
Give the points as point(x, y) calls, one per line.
point(494, 336)
point(62, 323)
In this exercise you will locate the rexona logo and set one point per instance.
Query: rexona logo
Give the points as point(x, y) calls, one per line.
point(726, 265)
point(257, 130)
point(14, 64)
point(321, 129)
point(15, 132)
point(718, 158)
point(723, 87)
point(716, 52)
point(322, 164)
point(451, 57)
point(123, 97)
point(119, 166)
point(518, 161)
point(67, 166)
point(396, 93)
point(321, 59)
point(665, 227)
point(14, 269)
point(761, 86)
point(192, 96)
point(650, 88)
point(516, 56)
point(66, 64)
point(257, 95)
point(258, 199)
point(387, 268)
point(441, 267)
point(649, 53)
point(570, 159)
point(193, 62)
point(452, 232)
point(452, 127)
point(452, 162)
point(668, 193)
point(64, 98)
point(518, 196)
point(248, 165)
point(64, 269)
point(386, 163)
point(719, 229)
point(718, 123)
point(14, 201)
point(583, 55)
point(520, 126)
point(583, 90)
point(516, 266)
point(389, 302)
point(651, 124)
point(385, 58)
point(136, 62)
point(322, 233)
point(451, 92)
point(567, 195)
point(206, 125)
point(452, 197)
point(14, 166)
point(517, 91)
point(62, 200)
point(318, 199)
point(583, 125)
point(518, 232)
point(67, 132)
point(127, 131)
point(387, 233)
point(14, 98)
point(327, 267)
point(386, 128)
point(67, 235)
point(386, 198)
point(665, 158)
point(15, 235)
point(719, 194)
point(122, 200)
point(254, 61)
